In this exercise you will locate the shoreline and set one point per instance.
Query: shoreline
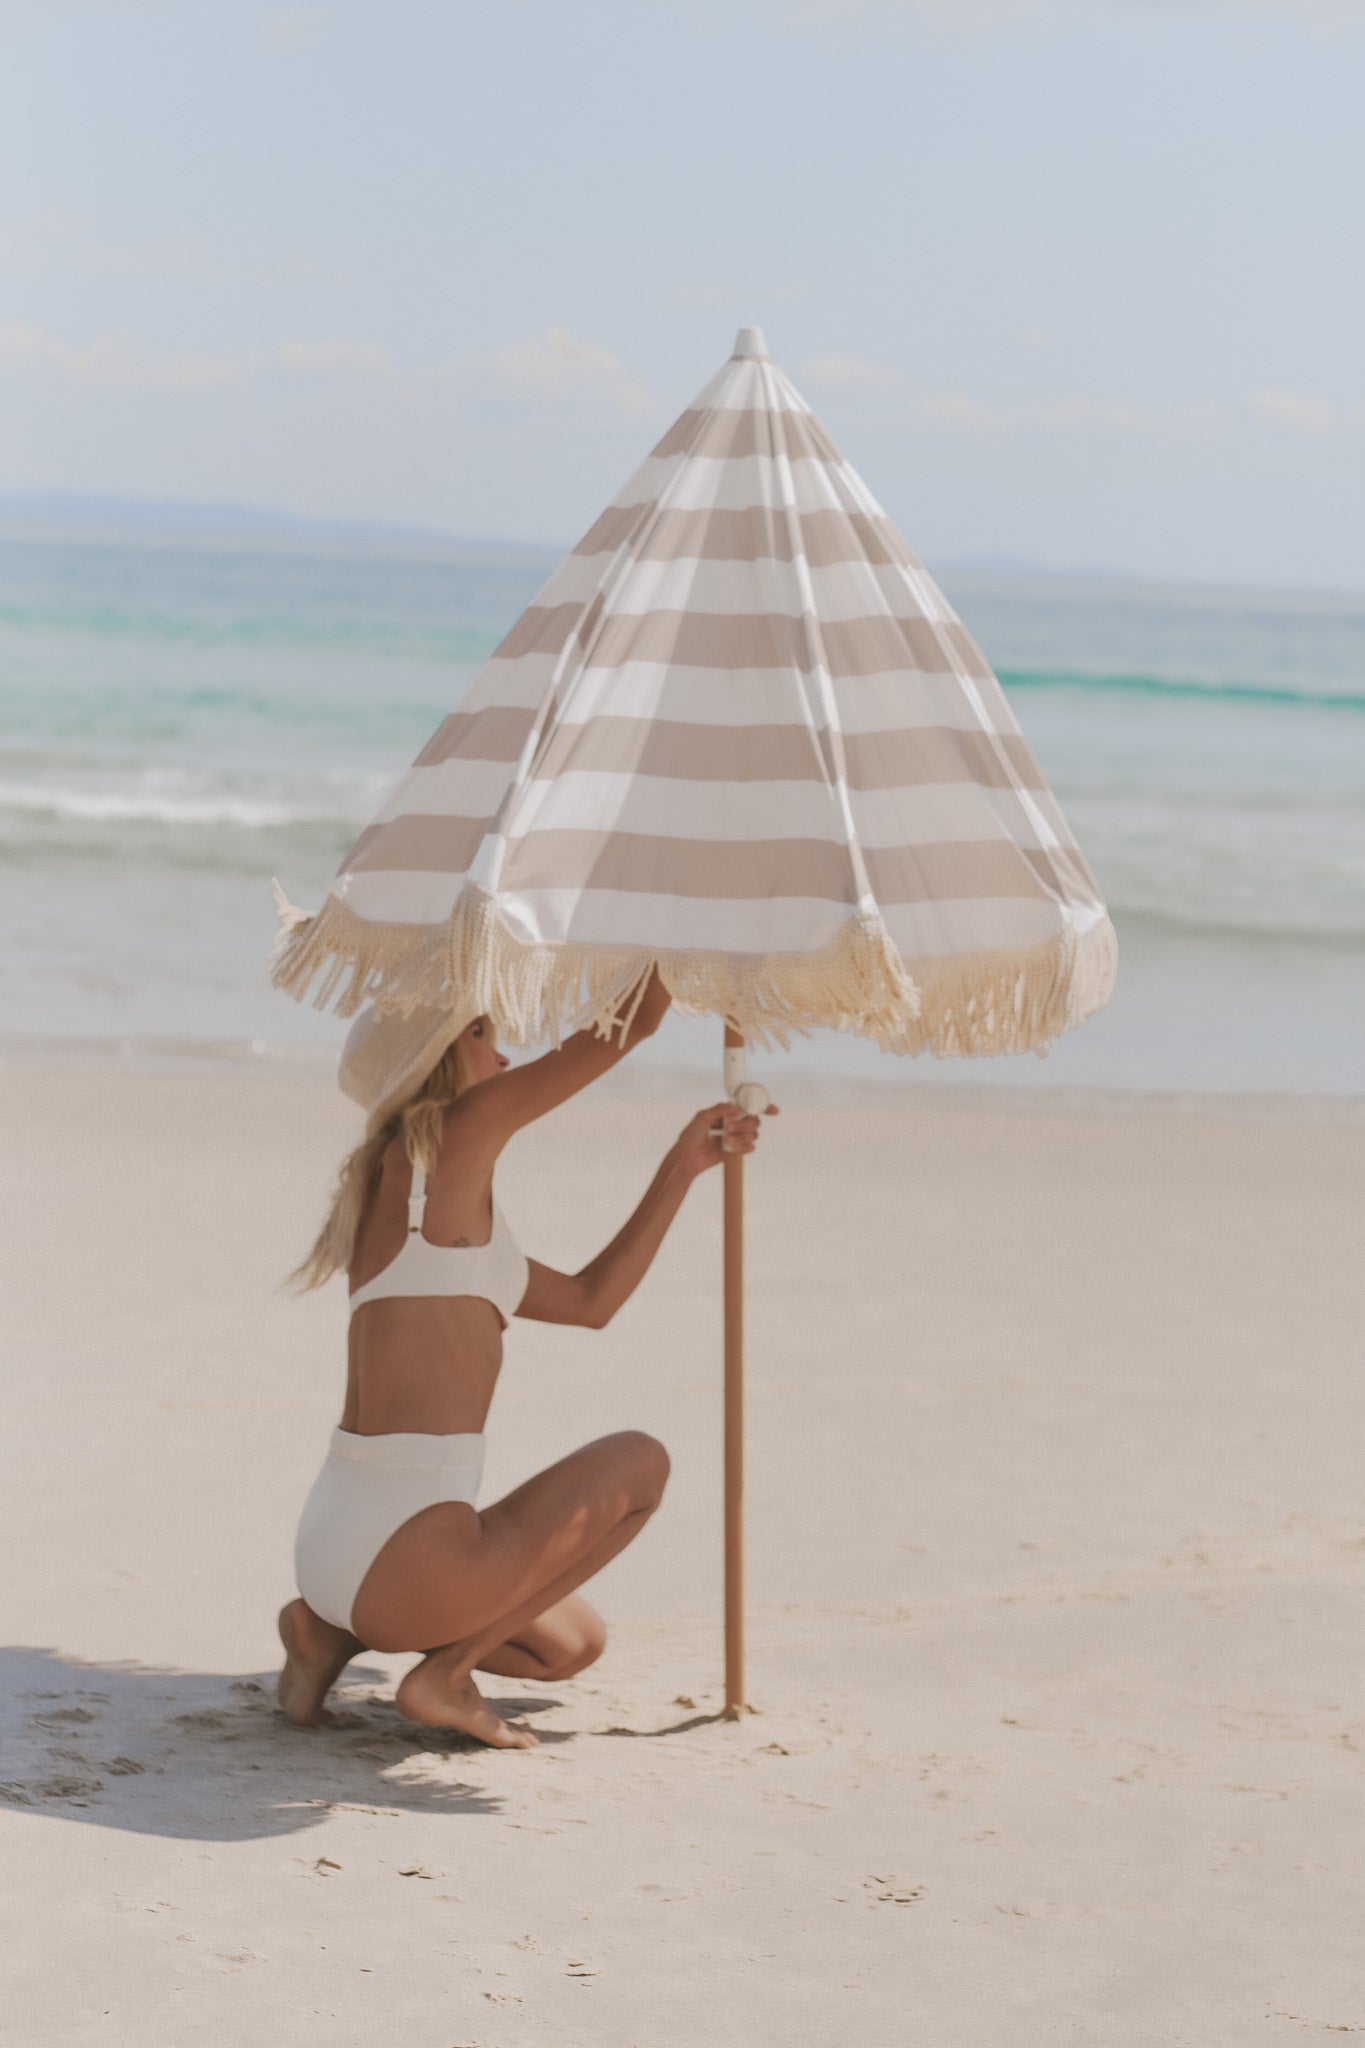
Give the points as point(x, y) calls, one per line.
point(255, 1060)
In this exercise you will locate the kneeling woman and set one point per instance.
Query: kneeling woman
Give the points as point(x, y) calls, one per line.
point(392, 1553)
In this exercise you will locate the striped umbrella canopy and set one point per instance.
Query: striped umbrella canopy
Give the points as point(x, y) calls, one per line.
point(740, 733)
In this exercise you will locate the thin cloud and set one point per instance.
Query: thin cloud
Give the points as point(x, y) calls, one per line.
point(962, 413)
point(558, 367)
point(1304, 412)
point(335, 358)
point(112, 362)
point(846, 373)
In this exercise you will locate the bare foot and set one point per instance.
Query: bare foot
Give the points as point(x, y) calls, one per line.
point(315, 1655)
point(439, 1693)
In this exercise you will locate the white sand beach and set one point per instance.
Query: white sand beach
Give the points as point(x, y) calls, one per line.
point(1056, 1555)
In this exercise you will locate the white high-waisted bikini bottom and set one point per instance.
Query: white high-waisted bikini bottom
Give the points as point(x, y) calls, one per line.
point(367, 1488)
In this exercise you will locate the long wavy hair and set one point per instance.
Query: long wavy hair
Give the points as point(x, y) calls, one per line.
point(419, 1122)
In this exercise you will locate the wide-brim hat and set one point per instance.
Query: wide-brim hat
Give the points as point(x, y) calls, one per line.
point(386, 1058)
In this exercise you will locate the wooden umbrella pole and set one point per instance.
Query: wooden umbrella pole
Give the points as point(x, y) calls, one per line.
point(733, 1170)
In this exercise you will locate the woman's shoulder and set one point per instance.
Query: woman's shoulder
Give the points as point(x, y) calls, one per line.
point(467, 1151)
point(472, 1133)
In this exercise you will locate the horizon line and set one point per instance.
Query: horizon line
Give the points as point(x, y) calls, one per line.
point(112, 513)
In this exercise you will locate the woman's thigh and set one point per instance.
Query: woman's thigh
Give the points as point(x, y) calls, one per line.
point(451, 1573)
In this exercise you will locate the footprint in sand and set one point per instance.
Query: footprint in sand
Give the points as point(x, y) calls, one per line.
point(893, 1891)
point(65, 1786)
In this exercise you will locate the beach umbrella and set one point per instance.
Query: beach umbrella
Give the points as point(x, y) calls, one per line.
point(740, 733)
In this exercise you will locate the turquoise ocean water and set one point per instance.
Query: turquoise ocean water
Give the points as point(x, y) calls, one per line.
point(182, 719)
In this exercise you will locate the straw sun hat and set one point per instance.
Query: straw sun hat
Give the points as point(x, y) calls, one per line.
point(386, 1058)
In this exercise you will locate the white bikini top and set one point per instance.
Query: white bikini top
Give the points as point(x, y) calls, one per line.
point(496, 1271)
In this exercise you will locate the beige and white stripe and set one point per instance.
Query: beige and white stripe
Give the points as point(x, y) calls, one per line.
point(742, 733)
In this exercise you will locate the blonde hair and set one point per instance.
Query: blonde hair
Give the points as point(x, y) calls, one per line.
point(419, 1122)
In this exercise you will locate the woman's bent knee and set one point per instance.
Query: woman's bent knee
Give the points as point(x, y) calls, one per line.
point(588, 1646)
point(648, 1466)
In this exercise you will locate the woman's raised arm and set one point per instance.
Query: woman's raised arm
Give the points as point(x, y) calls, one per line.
point(497, 1108)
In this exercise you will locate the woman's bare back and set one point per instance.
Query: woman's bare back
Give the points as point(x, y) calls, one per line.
point(422, 1363)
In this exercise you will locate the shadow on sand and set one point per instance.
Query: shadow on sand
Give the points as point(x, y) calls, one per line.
point(674, 1727)
point(204, 1756)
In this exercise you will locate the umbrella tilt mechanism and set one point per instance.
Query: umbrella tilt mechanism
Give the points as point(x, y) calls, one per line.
point(750, 1096)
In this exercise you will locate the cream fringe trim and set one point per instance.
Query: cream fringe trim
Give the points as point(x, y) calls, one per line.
point(971, 1003)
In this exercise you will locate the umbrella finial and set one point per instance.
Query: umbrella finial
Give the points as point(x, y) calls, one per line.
point(749, 342)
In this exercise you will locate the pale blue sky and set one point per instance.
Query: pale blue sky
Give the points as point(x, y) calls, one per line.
point(1080, 284)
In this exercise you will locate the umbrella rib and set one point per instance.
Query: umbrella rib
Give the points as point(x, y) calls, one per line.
point(574, 660)
point(819, 666)
point(559, 691)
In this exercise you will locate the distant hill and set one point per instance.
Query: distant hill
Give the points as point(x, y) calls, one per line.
point(78, 516)
point(71, 515)
point(95, 519)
